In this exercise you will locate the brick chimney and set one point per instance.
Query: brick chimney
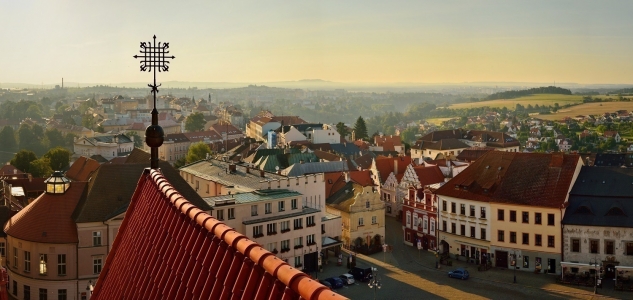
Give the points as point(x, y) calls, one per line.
point(395, 166)
point(232, 167)
point(262, 173)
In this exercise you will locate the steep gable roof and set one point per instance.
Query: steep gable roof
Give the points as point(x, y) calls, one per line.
point(363, 178)
point(429, 175)
point(520, 178)
point(82, 169)
point(334, 181)
point(167, 248)
point(473, 153)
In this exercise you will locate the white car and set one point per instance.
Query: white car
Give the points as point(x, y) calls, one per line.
point(347, 278)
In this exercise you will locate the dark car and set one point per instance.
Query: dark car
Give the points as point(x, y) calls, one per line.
point(325, 283)
point(458, 273)
point(361, 274)
point(335, 282)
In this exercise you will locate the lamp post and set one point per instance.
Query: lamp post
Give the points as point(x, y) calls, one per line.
point(374, 283)
point(515, 265)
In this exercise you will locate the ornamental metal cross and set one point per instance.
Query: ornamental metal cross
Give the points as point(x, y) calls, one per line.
point(154, 57)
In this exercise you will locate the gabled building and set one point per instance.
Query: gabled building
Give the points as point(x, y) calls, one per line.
point(387, 143)
point(506, 208)
point(108, 146)
point(386, 173)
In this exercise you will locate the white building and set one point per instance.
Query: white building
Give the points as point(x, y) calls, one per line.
point(108, 146)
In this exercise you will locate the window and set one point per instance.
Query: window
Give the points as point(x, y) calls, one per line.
point(608, 247)
point(526, 217)
point(231, 213)
point(501, 235)
point(310, 240)
point(513, 216)
point(367, 204)
point(253, 210)
point(97, 262)
point(285, 245)
point(27, 292)
point(293, 203)
point(483, 213)
point(220, 214)
point(258, 231)
point(96, 238)
point(454, 229)
point(444, 205)
point(43, 294)
point(297, 261)
point(61, 264)
point(271, 228)
point(453, 209)
point(281, 205)
point(374, 219)
point(285, 226)
point(550, 219)
point(472, 210)
point(629, 248)
point(310, 221)
point(299, 241)
point(483, 234)
point(550, 241)
point(526, 239)
point(500, 214)
point(537, 218)
point(360, 221)
point(15, 257)
point(298, 223)
point(462, 209)
point(2, 249)
point(268, 208)
point(513, 237)
point(444, 225)
point(27, 261)
point(62, 294)
point(463, 229)
point(472, 231)
point(593, 246)
point(43, 261)
point(538, 240)
point(575, 245)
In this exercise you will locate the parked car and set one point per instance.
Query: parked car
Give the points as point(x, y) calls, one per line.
point(347, 278)
point(325, 283)
point(360, 274)
point(458, 273)
point(335, 282)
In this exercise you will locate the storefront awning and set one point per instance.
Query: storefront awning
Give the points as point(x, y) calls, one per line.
point(577, 265)
point(472, 244)
point(327, 242)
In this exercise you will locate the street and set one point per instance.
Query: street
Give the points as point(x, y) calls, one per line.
point(405, 276)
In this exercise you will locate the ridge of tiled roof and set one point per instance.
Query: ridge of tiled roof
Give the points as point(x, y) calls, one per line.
point(82, 168)
point(473, 153)
point(48, 219)
point(520, 178)
point(167, 248)
point(428, 175)
point(363, 178)
point(446, 144)
point(334, 181)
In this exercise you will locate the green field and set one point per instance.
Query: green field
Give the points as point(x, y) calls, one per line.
point(540, 99)
point(438, 121)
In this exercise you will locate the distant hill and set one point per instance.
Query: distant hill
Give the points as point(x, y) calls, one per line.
point(623, 91)
point(532, 91)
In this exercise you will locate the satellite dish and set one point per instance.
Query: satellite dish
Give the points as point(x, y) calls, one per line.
point(277, 168)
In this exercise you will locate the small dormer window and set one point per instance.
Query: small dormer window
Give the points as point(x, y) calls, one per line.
point(57, 183)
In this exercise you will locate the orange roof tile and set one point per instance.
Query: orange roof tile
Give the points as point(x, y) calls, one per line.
point(48, 218)
point(82, 169)
point(429, 175)
point(167, 248)
point(9, 170)
point(334, 181)
point(362, 177)
point(386, 165)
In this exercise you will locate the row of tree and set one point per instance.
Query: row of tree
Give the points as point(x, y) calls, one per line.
point(522, 93)
point(34, 138)
point(53, 160)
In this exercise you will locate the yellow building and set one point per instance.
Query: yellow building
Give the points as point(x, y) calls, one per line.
point(513, 204)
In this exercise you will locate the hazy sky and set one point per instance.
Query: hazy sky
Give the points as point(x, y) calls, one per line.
point(347, 41)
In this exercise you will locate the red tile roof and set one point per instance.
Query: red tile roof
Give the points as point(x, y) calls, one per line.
point(392, 140)
point(334, 181)
point(386, 165)
point(429, 175)
point(362, 177)
point(48, 218)
point(9, 170)
point(82, 169)
point(520, 178)
point(167, 248)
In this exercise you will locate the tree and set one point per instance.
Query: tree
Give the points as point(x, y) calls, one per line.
point(197, 151)
point(180, 162)
point(88, 121)
point(195, 122)
point(342, 129)
point(41, 168)
point(22, 160)
point(7, 139)
point(69, 140)
point(58, 158)
point(408, 135)
point(360, 128)
point(54, 138)
point(30, 138)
